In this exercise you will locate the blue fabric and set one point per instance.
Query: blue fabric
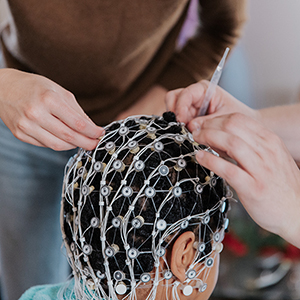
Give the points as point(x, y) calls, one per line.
point(48, 292)
point(30, 195)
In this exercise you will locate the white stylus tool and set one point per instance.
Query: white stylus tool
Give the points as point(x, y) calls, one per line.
point(212, 85)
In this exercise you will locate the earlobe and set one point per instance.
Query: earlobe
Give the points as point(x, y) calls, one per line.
point(182, 254)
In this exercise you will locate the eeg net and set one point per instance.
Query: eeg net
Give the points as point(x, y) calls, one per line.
point(126, 202)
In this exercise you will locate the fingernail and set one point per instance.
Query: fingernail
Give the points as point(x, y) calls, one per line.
point(195, 126)
point(199, 154)
point(102, 134)
point(196, 129)
point(195, 133)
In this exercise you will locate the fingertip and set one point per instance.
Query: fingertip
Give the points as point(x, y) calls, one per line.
point(91, 145)
point(194, 125)
point(203, 158)
point(195, 134)
point(101, 132)
point(180, 118)
point(98, 133)
point(182, 114)
point(171, 99)
point(199, 154)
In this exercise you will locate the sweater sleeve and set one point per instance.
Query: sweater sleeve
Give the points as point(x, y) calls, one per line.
point(220, 26)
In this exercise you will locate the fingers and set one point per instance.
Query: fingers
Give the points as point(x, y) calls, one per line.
point(246, 128)
point(185, 103)
point(196, 123)
point(54, 134)
point(67, 135)
point(41, 112)
point(28, 139)
point(189, 101)
point(232, 145)
point(239, 137)
point(58, 123)
point(266, 178)
point(71, 114)
point(42, 138)
point(234, 175)
point(171, 99)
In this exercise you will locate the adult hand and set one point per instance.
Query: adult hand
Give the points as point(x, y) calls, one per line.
point(265, 175)
point(152, 103)
point(40, 112)
point(185, 103)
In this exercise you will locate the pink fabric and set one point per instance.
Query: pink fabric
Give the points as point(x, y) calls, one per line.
point(190, 26)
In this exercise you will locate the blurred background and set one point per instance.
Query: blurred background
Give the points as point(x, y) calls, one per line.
point(263, 70)
point(268, 53)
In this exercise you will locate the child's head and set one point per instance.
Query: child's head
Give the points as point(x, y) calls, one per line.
point(140, 217)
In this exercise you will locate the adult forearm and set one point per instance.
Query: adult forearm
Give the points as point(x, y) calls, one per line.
point(285, 122)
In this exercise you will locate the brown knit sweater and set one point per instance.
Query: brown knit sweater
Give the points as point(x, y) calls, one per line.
point(109, 53)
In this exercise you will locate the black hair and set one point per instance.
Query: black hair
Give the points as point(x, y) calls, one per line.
point(190, 202)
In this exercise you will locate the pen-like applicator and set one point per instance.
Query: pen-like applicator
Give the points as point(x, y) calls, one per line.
point(212, 85)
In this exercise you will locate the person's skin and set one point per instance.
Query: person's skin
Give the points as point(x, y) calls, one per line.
point(40, 112)
point(264, 175)
point(152, 103)
point(281, 119)
point(284, 121)
point(182, 255)
point(179, 259)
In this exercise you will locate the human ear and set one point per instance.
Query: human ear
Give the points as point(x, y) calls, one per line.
point(182, 254)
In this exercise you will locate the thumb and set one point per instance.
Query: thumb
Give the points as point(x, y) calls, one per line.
point(197, 123)
point(189, 101)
